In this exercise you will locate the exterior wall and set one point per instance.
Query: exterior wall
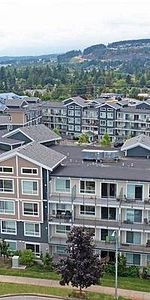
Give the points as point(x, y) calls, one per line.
point(21, 137)
point(138, 152)
point(17, 117)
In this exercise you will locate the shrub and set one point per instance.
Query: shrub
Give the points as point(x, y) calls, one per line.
point(133, 271)
point(47, 262)
point(27, 257)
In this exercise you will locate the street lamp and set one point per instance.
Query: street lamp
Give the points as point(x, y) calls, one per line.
point(115, 235)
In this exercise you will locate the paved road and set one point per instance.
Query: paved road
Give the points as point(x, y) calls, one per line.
point(134, 295)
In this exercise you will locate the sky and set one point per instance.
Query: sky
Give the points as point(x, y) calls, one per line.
point(34, 27)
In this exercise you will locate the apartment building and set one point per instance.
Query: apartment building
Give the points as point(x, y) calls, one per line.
point(119, 118)
point(46, 187)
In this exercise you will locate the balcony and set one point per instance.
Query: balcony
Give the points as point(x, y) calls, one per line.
point(61, 217)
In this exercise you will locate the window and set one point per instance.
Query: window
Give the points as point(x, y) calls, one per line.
point(32, 171)
point(62, 185)
point(105, 234)
point(110, 123)
point(71, 112)
point(102, 115)
point(77, 113)
point(133, 237)
point(108, 190)
point(77, 128)
point(32, 229)
point(29, 187)
point(60, 249)
point(102, 130)
point(110, 130)
point(87, 210)
point(102, 123)
point(134, 215)
point(12, 245)
point(87, 187)
point(70, 127)
point(77, 120)
point(62, 229)
point(7, 207)
point(6, 185)
point(9, 227)
point(30, 209)
point(34, 247)
point(133, 259)
point(6, 170)
point(110, 115)
point(134, 192)
point(70, 120)
point(108, 213)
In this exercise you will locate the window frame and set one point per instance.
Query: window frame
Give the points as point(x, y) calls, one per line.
point(2, 172)
point(84, 211)
point(28, 215)
point(32, 235)
point(8, 192)
point(8, 213)
point(87, 191)
point(62, 178)
point(62, 232)
point(29, 180)
point(27, 168)
point(11, 233)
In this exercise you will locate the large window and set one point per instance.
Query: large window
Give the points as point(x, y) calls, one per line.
point(33, 171)
point(32, 229)
point(61, 249)
point(29, 187)
point(87, 210)
point(12, 245)
point(6, 170)
point(87, 187)
point(6, 185)
point(7, 207)
point(34, 247)
point(108, 213)
point(134, 215)
point(30, 209)
point(106, 234)
point(133, 237)
point(108, 190)
point(134, 192)
point(62, 229)
point(133, 259)
point(9, 227)
point(62, 185)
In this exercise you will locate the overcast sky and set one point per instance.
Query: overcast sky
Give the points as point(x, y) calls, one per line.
point(31, 27)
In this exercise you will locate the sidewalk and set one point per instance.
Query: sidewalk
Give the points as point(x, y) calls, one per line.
point(135, 295)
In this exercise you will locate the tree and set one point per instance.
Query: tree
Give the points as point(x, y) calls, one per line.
point(84, 138)
point(27, 257)
point(56, 130)
point(4, 249)
point(106, 142)
point(82, 267)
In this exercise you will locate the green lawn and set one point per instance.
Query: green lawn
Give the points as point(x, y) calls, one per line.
point(11, 288)
point(123, 282)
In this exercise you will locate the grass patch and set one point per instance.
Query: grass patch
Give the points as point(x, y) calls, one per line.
point(11, 288)
point(136, 284)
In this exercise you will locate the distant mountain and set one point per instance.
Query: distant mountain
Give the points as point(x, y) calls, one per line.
point(27, 59)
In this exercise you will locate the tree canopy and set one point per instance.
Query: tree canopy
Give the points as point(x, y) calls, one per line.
point(81, 267)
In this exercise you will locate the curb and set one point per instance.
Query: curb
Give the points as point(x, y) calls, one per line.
point(34, 295)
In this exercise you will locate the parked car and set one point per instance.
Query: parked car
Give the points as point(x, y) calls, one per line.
point(118, 144)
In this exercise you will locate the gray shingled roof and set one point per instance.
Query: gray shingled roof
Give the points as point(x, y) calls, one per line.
point(15, 102)
point(38, 154)
point(140, 140)
point(77, 100)
point(38, 133)
point(41, 154)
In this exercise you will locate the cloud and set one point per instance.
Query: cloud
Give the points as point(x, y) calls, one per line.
point(29, 26)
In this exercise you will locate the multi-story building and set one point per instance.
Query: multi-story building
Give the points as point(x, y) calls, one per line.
point(119, 118)
point(46, 190)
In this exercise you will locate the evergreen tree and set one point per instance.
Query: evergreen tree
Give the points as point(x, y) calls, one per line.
point(82, 267)
point(106, 142)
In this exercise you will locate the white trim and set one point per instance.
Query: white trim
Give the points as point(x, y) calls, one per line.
point(1, 172)
point(29, 202)
point(28, 168)
point(33, 223)
point(32, 194)
point(6, 178)
point(12, 241)
point(11, 233)
point(8, 213)
point(90, 180)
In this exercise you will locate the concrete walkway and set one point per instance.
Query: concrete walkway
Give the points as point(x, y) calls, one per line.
point(135, 295)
